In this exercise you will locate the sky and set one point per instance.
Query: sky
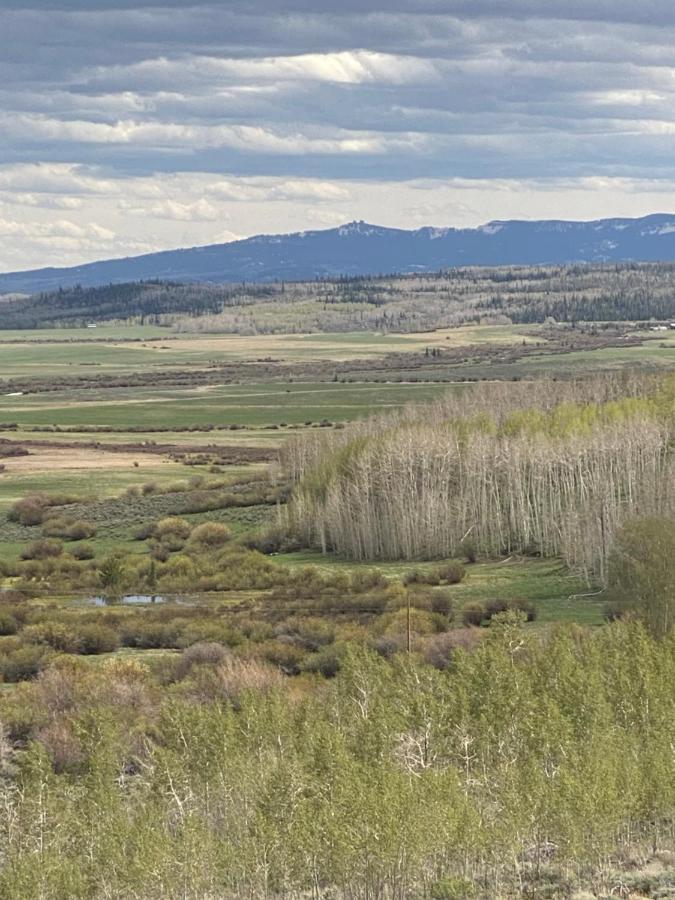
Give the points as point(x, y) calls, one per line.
point(128, 127)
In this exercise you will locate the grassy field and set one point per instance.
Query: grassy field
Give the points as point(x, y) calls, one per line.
point(557, 594)
point(127, 349)
point(263, 404)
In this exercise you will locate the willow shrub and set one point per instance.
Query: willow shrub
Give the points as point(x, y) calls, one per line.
point(392, 780)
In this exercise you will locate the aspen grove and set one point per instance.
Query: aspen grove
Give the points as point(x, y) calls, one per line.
point(544, 468)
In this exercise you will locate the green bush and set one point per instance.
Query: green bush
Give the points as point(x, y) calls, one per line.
point(93, 639)
point(287, 656)
point(57, 635)
point(473, 614)
point(326, 662)
point(23, 663)
point(451, 573)
point(210, 534)
point(8, 623)
point(495, 607)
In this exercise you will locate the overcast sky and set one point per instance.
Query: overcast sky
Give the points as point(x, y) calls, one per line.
point(128, 127)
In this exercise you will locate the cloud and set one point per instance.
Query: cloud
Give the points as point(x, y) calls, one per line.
point(276, 114)
point(345, 67)
point(199, 211)
point(174, 134)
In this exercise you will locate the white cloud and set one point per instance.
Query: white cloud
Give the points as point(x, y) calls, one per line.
point(199, 211)
point(170, 134)
point(40, 201)
point(52, 178)
point(345, 67)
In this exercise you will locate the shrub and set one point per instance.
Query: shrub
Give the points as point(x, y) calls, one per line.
point(204, 653)
point(63, 746)
point(310, 633)
point(69, 529)
point(421, 622)
point(641, 576)
point(23, 663)
point(387, 645)
point(33, 509)
point(29, 510)
point(149, 635)
point(45, 548)
point(172, 526)
point(56, 634)
point(473, 614)
point(210, 534)
point(439, 648)
point(231, 680)
point(496, 607)
point(287, 657)
point(212, 631)
point(83, 552)
point(273, 540)
point(416, 576)
point(143, 532)
point(8, 623)
point(93, 639)
point(451, 572)
point(364, 580)
point(469, 548)
point(326, 662)
point(441, 603)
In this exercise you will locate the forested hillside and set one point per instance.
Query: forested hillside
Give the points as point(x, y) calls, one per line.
point(593, 293)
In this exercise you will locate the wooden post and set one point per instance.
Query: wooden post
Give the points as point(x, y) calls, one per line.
point(409, 642)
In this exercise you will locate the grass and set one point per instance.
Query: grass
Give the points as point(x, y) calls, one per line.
point(82, 483)
point(124, 349)
point(557, 594)
point(253, 405)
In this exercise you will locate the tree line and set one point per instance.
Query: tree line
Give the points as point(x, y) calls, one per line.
point(398, 303)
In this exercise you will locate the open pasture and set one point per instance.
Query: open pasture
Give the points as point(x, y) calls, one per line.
point(256, 404)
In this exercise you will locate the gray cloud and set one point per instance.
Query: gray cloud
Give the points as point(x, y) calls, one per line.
point(99, 98)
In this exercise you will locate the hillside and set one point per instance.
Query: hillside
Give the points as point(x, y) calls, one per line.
point(362, 249)
point(406, 303)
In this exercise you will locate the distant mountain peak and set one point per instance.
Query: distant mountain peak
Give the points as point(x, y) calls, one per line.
point(360, 228)
point(361, 248)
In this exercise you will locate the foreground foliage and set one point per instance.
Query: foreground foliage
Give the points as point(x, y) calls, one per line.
point(524, 763)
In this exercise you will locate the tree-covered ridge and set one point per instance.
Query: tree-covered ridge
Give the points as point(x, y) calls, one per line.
point(399, 303)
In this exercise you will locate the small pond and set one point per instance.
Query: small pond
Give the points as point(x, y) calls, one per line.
point(137, 600)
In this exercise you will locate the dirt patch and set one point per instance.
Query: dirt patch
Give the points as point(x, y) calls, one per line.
point(80, 454)
point(75, 458)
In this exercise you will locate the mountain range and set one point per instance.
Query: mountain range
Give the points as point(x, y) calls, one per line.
point(362, 249)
